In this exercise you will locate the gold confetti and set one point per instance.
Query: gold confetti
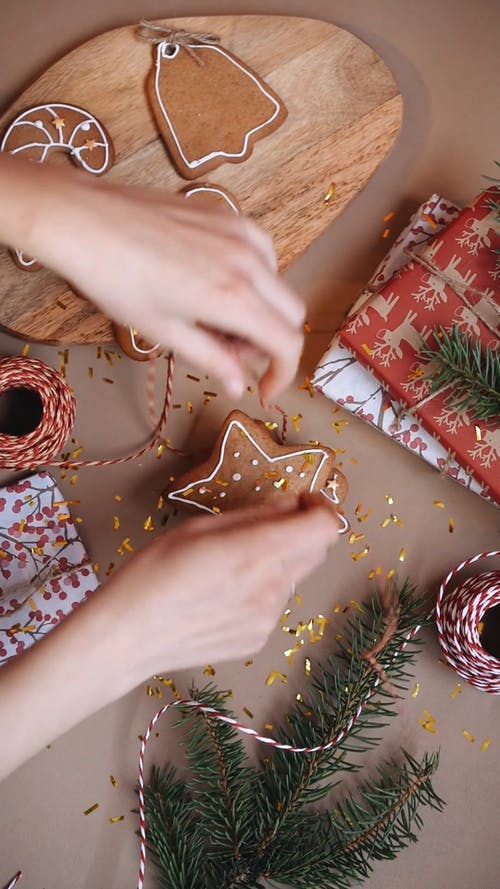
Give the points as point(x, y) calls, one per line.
point(402, 554)
point(189, 405)
point(484, 746)
point(480, 626)
point(428, 722)
point(149, 691)
point(3, 554)
point(107, 380)
point(338, 424)
point(159, 451)
point(438, 503)
point(456, 691)
point(298, 598)
point(148, 524)
point(90, 372)
point(330, 193)
point(268, 726)
point(355, 538)
point(249, 662)
point(307, 327)
point(366, 348)
point(115, 819)
point(113, 780)
point(416, 689)
point(386, 232)
point(275, 674)
point(248, 712)
point(337, 609)
point(356, 606)
point(432, 222)
point(451, 525)
point(385, 523)
point(307, 666)
point(118, 498)
point(25, 350)
point(209, 670)
point(116, 523)
point(296, 422)
point(477, 430)
point(210, 394)
point(161, 502)
point(91, 809)
point(467, 735)
point(109, 569)
point(357, 556)
point(306, 385)
point(125, 546)
point(388, 216)
point(73, 480)
point(192, 377)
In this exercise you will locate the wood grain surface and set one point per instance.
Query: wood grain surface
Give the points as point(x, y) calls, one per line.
point(344, 117)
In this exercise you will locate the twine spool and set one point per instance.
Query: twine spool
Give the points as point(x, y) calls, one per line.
point(58, 410)
point(458, 617)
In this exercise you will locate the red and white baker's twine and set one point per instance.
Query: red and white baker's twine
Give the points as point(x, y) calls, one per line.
point(458, 615)
point(40, 446)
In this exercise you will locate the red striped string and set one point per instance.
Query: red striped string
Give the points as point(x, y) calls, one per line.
point(40, 446)
point(458, 615)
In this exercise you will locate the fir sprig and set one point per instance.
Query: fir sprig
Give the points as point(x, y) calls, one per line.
point(233, 826)
point(471, 374)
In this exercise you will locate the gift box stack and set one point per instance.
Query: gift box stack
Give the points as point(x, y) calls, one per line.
point(442, 272)
point(44, 568)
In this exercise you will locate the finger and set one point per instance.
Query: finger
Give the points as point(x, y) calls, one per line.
point(207, 352)
point(237, 518)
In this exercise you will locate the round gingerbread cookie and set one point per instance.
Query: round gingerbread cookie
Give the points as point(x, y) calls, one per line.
point(247, 466)
point(39, 131)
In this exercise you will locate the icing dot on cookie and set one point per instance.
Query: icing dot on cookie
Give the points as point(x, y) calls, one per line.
point(302, 474)
point(203, 490)
point(38, 123)
point(222, 494)
point(255, 462)
point(236, 476)
point(288, 468)
point(257, 487)
point(86, 126)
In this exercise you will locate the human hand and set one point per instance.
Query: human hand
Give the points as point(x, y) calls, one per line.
point(213, 589)
point(200, 281)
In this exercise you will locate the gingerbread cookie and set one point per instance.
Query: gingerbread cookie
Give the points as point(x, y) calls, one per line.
point(41, 130)
point(205, 194)
point(209, 106)
point(247, 466)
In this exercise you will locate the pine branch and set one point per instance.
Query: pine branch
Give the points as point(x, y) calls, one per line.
point(473, 376)
point(236, 826)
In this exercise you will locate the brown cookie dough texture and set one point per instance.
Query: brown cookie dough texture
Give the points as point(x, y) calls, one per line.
point(248, 467)
point(209, 106)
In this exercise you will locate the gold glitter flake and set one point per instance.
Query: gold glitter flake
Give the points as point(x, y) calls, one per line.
point(357, 556)
point(25, 350)
point(451, 525)
point(113, 780)
point(306, 385)
point(330, 193)
point(416, 689)
point(402, 554)
point(91, 809)
point(296, 422)
point(274, 675)
point(268, 726)
point(148, 524)
point(192, 377)
point(248, 712)
point(125, 546)
point(390, 573)
point(115, 819)
point(249, 662)
point(388, 216)
point(209, 670)
point(467, 735)
point(484, 746)
point(356, 538)
point(428, 722)
point(456, 691)
point(307, 666)
point(161, 502)
point(116, 523)
point(109, 569)
point(438, 503)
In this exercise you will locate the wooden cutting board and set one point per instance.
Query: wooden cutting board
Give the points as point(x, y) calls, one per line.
point(344, 115)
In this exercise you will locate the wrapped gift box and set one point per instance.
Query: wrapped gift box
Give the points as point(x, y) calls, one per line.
point(44, 568)
point(342, 377)
point(441, 287)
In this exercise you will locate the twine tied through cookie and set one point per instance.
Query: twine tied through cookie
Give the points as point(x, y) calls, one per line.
point(156, 34)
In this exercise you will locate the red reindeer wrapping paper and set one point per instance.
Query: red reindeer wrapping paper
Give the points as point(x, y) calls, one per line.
point(451, 281)
point(44, 568)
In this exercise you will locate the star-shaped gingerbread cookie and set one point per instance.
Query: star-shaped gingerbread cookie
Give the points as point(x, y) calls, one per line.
point(247, 466)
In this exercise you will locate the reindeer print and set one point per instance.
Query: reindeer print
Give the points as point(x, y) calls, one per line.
point(388, 345)
point(475, 235)
point(383, 306)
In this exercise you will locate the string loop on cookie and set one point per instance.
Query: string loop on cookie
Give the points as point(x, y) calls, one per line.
point(156, 34)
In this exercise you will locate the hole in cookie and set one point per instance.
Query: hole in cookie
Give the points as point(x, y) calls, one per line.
point(21, 411)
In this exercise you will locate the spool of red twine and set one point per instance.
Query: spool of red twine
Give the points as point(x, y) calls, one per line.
point(459, 615)
point(58, 410)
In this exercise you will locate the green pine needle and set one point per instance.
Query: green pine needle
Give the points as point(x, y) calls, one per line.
point(472, 375)
point(233, 826)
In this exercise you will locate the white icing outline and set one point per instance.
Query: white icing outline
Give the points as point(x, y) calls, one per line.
point(138, 348)
point(336, 501)
point(197, 162)
point(214, 189)
point(62, 142)
point(177, 495)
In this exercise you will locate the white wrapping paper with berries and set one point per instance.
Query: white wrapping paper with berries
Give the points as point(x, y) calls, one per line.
point(45, 571)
